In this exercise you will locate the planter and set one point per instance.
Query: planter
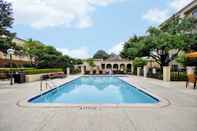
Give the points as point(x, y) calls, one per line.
point(31, 78)
point(166, 73)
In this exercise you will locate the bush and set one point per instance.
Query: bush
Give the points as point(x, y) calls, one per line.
point(139, 62)
point(41, 71)
point(30, 71)
point(75, 71)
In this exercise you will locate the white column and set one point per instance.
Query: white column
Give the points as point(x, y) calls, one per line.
point(68, 71)
point(166, 73)
point(91, 71)
point(145, 69)
point(82, 70)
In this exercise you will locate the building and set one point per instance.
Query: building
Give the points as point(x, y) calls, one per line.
point(17, 60)
point(19, 42)
point(114, 64)
point(188, 11)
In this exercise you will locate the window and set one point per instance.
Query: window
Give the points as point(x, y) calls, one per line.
point(194, 13)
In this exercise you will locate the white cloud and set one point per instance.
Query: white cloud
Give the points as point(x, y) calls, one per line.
point(50, 13)
point(82, 52)
point(156, 15)
point(117, 48)
point(179, 4)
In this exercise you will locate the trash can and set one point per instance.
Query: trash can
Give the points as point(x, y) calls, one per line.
point(19, 77)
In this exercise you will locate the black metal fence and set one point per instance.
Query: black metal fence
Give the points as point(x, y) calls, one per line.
point(156, 73)
point(178, 74)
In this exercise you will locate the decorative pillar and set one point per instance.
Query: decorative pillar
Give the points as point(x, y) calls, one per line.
point(82, 70)
point(97, 70)
point(166, 73)
point(138, 71)
point(91, 71)
point(125, 68)
point(145, 69)
point(68, 71)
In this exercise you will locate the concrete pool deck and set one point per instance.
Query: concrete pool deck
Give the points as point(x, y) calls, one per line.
point(180, 115)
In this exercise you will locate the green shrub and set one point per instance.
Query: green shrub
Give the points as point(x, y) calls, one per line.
point(139, 62)
point(75, 71)
point(41, 71)
point(30, 71)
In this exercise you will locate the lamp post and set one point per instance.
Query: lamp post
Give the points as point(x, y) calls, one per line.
point(10, 53)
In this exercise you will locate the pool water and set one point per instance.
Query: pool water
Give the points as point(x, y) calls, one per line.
point(95, 90)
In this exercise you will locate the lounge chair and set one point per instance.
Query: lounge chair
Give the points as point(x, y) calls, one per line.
point(191, 78)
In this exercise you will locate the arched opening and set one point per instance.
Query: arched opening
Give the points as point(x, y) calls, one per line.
point(103, 66)
point(115, 67)
point(109, 66)
point(122, 68)
point(129, 66)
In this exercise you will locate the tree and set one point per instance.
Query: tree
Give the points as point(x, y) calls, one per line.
point(34, 49)
point(139, 62)
point(133, 48)
point(45, 56)
point(101, 54)
point(6, 21)
point(182, 59)
point(91, 62)
point(163, 45)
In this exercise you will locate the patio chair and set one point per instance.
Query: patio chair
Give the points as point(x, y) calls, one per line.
point(191, 78)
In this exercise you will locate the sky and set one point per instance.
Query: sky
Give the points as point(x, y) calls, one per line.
point(79, 28)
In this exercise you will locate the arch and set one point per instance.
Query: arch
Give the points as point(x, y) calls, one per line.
point(115, 66)
point(122, 67)
point(129, 66)
point(103, 66)
point(109, 66)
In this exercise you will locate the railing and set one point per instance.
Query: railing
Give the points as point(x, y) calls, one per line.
point(155, 73)
point(46, 83)
point(178, 74)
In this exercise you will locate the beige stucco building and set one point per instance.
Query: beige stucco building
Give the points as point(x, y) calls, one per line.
point(188, 11)
point(114, 64)
point(17, 59)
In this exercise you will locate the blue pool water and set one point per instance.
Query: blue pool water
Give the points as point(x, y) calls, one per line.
point(95, 90)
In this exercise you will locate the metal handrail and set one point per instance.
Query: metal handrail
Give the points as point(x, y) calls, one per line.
point(46, 85)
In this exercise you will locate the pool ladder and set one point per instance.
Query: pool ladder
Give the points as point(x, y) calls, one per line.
point(44, 84)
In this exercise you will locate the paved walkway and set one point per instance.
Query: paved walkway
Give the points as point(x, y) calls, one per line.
point(180, 115)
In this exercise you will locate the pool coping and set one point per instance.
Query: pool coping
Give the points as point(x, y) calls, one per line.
point(161, 104)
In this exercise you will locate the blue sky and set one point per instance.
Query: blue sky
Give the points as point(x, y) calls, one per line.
point(81, 27)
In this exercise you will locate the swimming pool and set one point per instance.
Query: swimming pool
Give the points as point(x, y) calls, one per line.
point(96, 90)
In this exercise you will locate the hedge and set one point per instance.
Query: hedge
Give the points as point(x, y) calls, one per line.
point(30, 71)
